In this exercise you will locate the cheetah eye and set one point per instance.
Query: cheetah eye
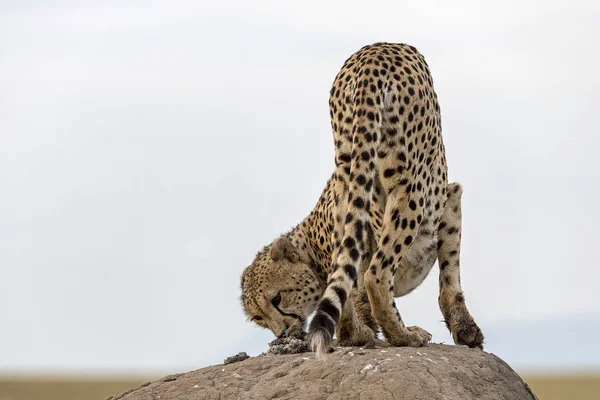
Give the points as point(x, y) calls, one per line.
point(257, 318)
point(276, 300)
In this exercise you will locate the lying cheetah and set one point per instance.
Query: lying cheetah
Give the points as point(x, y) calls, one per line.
point(384, 217)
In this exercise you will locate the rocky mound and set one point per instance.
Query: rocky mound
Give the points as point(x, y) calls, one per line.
point(434, 372)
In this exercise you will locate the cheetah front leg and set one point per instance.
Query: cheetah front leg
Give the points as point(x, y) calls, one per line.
point(459, 321)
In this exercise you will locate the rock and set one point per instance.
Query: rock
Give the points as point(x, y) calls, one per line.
point(287, 346)
point(237, 358)
point(434, 372)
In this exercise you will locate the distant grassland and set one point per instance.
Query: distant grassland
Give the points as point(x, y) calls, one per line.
point(545, 388)
point(556, 387)
point(65, 388)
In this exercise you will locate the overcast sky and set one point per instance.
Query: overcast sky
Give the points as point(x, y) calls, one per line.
point(148, 149)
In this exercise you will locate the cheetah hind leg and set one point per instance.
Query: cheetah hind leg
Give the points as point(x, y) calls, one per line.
point(361, 297)
point(393, 244)
point(458, 320)
point(363, 309)
point(351, 331)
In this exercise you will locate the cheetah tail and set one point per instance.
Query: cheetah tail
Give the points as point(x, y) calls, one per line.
point(322, 326)
point(320, 341)
point(366, 132)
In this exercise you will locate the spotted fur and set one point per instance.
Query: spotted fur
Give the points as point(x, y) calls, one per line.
point(385, 216)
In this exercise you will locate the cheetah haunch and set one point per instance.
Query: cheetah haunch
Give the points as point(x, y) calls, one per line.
point(384, 217)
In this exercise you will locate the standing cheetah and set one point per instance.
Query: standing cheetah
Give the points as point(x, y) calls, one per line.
point(385, 216)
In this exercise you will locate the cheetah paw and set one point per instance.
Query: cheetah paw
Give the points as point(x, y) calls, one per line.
point(413, 336)
point(422, 337)
point(363, 336)
point(467, 333)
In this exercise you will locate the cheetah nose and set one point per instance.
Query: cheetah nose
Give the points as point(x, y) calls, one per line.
point(282, 334)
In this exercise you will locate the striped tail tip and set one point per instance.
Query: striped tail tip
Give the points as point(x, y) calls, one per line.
point(319, 341)
point(320, 334)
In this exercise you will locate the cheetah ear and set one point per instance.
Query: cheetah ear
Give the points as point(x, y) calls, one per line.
point(242, 280)
point(283, 248)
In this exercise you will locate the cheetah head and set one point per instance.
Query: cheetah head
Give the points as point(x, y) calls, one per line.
point(279, 290)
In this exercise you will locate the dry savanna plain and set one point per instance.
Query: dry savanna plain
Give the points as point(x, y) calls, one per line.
point(546, 387)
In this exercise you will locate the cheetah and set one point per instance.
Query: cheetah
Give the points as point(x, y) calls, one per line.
point(385, 216)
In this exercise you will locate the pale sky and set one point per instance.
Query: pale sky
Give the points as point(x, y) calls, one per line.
point(148, 149)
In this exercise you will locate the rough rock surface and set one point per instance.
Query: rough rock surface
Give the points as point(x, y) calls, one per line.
point(434, 372)
point(237, 358)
